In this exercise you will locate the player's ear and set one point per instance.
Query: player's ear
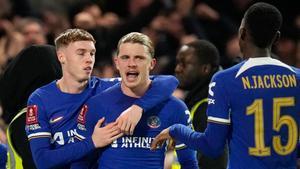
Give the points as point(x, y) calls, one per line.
point(277, 37)
point(116, 62)
point(61, 56)
point(242, 32)
point(206, 68)
point(153, 63)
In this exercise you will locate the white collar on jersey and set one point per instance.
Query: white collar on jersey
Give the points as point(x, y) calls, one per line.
point(251, 62)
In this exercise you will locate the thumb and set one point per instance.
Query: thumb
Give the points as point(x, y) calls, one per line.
point(99, 123)
point(154, 143)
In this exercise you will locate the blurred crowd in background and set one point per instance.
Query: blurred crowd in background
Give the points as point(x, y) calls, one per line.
point(169, 24)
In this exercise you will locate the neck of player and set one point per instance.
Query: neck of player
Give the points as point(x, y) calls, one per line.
point(136, 91)
point(255, 52)
point(71, 86)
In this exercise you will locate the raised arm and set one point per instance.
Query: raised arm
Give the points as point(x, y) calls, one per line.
point(161, 88)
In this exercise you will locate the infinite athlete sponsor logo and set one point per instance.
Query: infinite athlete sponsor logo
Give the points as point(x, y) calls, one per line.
point(71, 136)
point(133, 142)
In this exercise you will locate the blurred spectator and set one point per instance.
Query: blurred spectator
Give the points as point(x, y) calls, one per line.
point(197, 61)
point(298, 54)
point(84, 20)
point(109, 20)
point(11, 43)
point(136, 6)
point(34, 67)
point(286, 49)
point(169, 39)
point(106, 33)
point(5, 8)
point(55, 21)
point(187, 39)
point(33, 31)
point(232, 54)
point(220, 21)
point(179, 22)
point(92, 16)
point(2, 133)
point(104, 70)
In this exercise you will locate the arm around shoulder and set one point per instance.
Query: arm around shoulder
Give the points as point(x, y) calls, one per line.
point(161, 88)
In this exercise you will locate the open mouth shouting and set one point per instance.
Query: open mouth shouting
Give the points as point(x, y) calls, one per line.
point(132, 76)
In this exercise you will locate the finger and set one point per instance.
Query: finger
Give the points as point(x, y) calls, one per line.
point(154, 144)
point(117, 136)
point(111, 125)
point(158, 144)
point(132, 127)
point(99, 123)
point(127, 129)
point(123, 127)
point(115, 128)
point(114, 133)
point(119, 122)
point(158, 141)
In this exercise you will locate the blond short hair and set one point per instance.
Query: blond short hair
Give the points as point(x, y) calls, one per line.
point(136, 37)
point(72, 35)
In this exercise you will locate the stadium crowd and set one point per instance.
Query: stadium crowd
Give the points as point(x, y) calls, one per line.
point(170, 24)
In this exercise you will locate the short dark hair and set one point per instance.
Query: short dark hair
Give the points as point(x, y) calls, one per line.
point(206, 52)
point(262, 20)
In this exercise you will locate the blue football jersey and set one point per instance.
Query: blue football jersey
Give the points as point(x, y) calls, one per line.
point(259, 99)
point(52, 120)
point(52, 115)
point(133, 151)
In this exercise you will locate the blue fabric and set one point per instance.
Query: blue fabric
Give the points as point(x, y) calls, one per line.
point(254, 106)
point(211, 143)
point(134, 151)
point(53, 118)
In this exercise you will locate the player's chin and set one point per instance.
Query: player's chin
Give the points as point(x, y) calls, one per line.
point(85, 77)
point(131, 84)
